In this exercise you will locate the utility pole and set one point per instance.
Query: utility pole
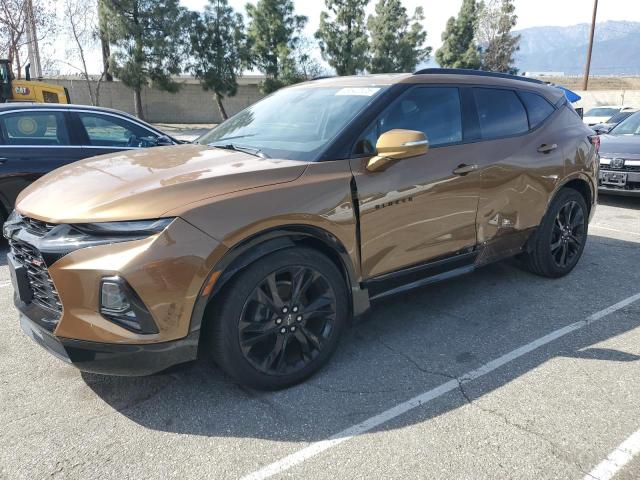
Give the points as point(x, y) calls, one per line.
point(585, 83)
point(32, 40)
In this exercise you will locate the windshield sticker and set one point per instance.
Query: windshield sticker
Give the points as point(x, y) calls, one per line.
point(358, 91)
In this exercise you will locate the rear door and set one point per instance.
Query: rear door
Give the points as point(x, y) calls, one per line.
point(418, 209)
point(102, 133)
point(32, 143)
point(520, 160)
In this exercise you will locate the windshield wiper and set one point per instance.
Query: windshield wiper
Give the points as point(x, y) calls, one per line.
point(236, 136)
point(241, 148)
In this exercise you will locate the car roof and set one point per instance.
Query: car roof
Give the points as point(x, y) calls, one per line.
point(15, 106)
point(441, 76)
point(62, 106)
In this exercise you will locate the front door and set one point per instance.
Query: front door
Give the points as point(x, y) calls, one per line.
point(418, 209)
point(102, 133)
point(32, 143)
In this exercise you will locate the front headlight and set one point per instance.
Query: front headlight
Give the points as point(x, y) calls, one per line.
point(128, 229)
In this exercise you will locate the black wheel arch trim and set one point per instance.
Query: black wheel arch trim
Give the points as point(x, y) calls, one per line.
point(269, 241)
point(580, 177)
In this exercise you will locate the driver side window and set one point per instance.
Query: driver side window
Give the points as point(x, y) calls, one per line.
point(435, 111)
point(106, 131)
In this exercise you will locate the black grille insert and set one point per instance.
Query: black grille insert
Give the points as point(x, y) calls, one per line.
point(40, 282)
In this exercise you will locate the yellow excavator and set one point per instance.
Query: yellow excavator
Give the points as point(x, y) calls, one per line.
point(12, 90)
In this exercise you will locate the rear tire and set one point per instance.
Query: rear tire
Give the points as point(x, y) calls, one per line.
point(557, 245)
point(279, 320)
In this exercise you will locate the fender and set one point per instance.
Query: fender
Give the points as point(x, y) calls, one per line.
point(264, 243)
point(582, 177)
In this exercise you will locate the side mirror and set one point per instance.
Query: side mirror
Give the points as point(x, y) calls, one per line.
point(164, 141)
point(395, 145)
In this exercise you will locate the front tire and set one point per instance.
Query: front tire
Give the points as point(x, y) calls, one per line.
point(280, 319)
point(557, 245)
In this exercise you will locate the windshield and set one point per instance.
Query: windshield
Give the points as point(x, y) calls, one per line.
point(602, 112)
point(293, 123)
point(618, 117)
point(630, 126)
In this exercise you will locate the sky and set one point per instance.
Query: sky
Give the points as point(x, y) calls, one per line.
point(531, 13)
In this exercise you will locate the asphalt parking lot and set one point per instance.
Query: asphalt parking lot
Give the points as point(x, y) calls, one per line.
point(498, 374)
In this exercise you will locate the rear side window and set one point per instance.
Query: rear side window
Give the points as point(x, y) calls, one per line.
point(435, 111)
point(500, 113)
point(538, 108)
point(35, 128)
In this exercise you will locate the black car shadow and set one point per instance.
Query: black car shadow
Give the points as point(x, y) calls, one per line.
point(408, 345)
point(619, 201)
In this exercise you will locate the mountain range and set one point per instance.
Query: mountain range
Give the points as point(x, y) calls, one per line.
point(616, 49)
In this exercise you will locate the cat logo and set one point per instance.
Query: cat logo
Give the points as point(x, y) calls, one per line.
point(23, 90)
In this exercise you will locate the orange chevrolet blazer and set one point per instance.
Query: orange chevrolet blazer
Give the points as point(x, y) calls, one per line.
point(259, 243)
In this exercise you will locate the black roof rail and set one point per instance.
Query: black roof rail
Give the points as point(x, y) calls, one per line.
point(478, 73)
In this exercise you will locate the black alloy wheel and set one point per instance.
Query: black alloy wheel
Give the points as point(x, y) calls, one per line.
point(568, 234)
point(287, 320)
point(279, 319)
point(557, 244)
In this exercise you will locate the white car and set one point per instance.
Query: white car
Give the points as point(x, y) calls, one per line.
point(603, 113)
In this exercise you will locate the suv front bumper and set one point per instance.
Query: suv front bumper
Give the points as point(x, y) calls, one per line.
point(113, 358)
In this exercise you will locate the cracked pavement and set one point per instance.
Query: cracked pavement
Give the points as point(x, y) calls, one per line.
point(555, 412)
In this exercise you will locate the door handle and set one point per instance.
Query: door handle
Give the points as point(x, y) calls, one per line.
point(464, 169)
point(544, 148)
point(3, 160)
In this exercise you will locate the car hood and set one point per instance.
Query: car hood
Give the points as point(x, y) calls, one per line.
point(145, 184)
point(620, 144)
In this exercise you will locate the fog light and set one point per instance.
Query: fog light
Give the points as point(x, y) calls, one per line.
point(114, 299)
point(120, 304)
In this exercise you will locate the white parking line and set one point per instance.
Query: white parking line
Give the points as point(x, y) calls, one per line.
point(617, 459)
point(614, 230)
point(316, 448)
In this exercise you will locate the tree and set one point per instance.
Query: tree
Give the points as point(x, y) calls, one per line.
point(305, 65)
point(397, 41)
point(82, 28)
point(218, 50)
point(105, 46)
point(496, 20)
point(147, 37)
point(273, 35)
point(13, 28)
point(343, 39)
point(459, 49)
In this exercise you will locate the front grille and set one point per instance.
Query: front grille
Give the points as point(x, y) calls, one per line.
point(44, 291)
point(626, 168)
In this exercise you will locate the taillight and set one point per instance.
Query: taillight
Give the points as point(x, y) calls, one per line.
point(595, 141)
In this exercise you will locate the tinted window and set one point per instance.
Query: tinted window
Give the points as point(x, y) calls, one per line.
point(500, 112)
point(107, 131)
point(35, 128)
point(435, 111)
point(538, 108)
